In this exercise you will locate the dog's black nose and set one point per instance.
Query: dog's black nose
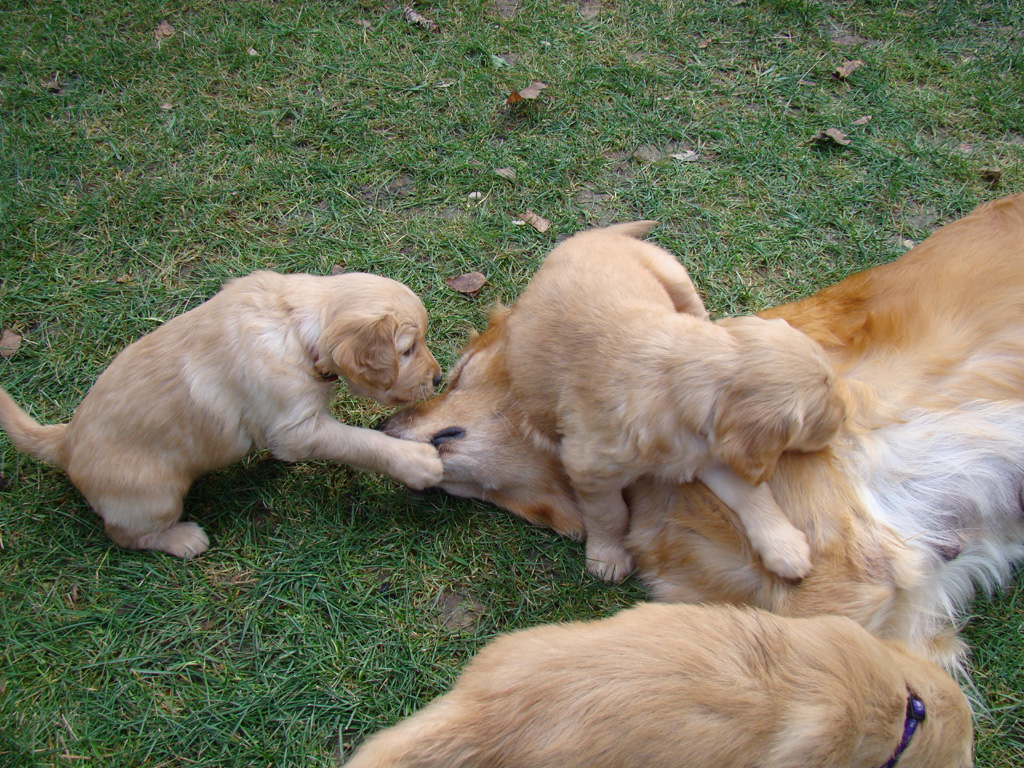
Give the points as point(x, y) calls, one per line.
point(438, 378)
point(450, 433)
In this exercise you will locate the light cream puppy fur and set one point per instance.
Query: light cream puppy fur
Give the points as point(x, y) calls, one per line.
point(622, 375)
point(252, 368)
point(680, 686)
point(916, 502)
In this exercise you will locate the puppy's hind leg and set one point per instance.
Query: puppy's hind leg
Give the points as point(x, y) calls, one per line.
point(150, 522)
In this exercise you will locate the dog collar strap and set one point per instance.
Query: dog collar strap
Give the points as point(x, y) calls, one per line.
point(915, 715)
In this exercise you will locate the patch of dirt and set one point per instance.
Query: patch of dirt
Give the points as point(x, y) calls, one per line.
point(399, 187)
point(458, 610)
point(589, 9)
point(505, 8)
point(840, 35)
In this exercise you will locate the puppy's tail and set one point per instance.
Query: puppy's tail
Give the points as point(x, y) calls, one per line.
point(38, 441)
point(637, 229)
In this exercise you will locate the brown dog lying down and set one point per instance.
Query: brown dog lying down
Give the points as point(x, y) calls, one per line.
point(254, 367)
point(682, 685)
point(917, 500)
point(621, 375)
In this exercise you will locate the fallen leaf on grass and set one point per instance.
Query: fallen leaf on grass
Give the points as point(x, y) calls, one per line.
point(253, 52)
point(419, 20)
point(862, 120)
point(54, 85)
point(9, 343)
point(847, 68)
point(532, 91)
point(337, 269)
point(506, 173)
point(167, 106)
point(537, 222)
point(829, 136)
point(703, 44)
point(689, 156)
point(163, 31)
point(991, 176)
point(468, 284)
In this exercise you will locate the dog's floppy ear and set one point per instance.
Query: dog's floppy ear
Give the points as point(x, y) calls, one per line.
point(749, 434)
point(362, 348)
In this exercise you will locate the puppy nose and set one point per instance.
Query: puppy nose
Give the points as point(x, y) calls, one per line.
point(437, 379)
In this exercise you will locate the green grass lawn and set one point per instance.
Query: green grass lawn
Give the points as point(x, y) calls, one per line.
point(139, 171)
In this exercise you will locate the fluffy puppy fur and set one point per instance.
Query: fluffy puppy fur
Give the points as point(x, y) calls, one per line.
point(252, 368)
point(675, 686)
point(915, 504)
point(621, 375)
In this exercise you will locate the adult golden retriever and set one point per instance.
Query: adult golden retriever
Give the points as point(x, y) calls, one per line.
point(254, 367)
point(621, 375)
point(675, 686)
point(916, 502)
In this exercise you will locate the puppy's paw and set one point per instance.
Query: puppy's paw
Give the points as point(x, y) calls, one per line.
point(184, 540)
point(609, 562)
point(418, 466)
point(787, 554)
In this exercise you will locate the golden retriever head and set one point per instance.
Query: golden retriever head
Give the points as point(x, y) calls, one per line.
point(785, 396)
point(380, 347)
point(483, 439)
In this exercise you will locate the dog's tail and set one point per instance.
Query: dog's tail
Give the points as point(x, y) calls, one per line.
point(38, 441)
point(637, 229)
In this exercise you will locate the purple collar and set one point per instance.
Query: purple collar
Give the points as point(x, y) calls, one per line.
point(915, 715)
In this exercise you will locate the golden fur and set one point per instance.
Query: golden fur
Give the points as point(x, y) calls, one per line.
point(252, 368)
point(621, 375)
point(916, 501)
point(674, 686)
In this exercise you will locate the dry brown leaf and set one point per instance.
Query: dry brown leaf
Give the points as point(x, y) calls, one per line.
point(469, 284)
point(163, 31)
point(828, 136)
point(703, 44)
point(847, 68)
point(167, 106)
point(337, 269)
point(9, 343)
point(419, 20)
point(991, 176)
point(862, 120)
point(506, 173)
point(123, 279)
point(537, 222)
point(532, 91)
point(688, 156)
point(253, 52)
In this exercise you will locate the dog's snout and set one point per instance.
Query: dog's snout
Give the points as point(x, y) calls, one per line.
point(450, 433)
point(438, 378)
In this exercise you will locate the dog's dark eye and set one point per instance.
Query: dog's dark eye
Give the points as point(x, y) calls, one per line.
point(410, 350)
point(451, 433)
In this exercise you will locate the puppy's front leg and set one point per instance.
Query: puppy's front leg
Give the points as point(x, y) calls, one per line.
point(782, 546)
point(415, 464)
point(606, 518)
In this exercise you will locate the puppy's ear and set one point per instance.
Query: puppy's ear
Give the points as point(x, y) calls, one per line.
point(363, 348)
point(749, 435)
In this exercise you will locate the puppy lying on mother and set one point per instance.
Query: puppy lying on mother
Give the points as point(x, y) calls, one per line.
point(916, 501)
point(252, 368)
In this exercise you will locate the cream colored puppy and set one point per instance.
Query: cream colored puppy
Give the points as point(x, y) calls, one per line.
point(621, 374)
point(252, 368)
point(683, 686)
